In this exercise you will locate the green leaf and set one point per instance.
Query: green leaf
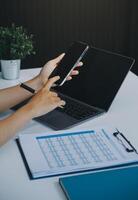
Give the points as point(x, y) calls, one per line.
point(15, 42)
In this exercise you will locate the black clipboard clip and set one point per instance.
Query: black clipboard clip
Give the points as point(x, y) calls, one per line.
point(124, 141)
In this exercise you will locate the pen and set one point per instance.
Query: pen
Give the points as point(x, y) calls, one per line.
point(26, 87)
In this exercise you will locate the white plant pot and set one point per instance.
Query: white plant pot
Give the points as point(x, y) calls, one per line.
point(10, 69)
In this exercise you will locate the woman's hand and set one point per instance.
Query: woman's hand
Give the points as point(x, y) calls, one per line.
point(45, 100)
point(51, 65)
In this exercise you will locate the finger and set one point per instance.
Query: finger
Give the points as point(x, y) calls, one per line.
point(61, 107)
point(69, 78)
point(57, 99)
point(79, 64)
point(51, 81)
point(54, 94)
point(59, 58)
point(74, 72)
point(61, 103)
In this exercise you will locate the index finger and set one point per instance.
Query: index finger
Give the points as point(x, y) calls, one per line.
point(51, 81)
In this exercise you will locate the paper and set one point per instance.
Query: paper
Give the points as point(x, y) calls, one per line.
point(70, 152)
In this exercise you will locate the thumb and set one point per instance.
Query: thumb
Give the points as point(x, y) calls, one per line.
point(59, 58)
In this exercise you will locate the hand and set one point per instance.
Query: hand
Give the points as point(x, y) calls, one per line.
point(45, 100)
point(51, 65)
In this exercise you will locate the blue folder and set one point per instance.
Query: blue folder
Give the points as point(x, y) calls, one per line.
point(115, 184)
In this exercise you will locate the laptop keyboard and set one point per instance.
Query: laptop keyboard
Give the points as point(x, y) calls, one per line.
point(72, 108)
point(77, 110)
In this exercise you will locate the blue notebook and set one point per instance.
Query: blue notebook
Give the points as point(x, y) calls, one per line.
point(115, 184)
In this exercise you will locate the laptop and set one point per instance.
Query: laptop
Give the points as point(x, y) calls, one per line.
point(91, 93)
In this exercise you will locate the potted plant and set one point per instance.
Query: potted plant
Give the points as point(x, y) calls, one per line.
point(15, 44)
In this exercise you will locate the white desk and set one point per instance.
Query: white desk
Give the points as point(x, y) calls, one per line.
point(14, 181)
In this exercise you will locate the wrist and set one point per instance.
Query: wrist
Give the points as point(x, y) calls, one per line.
point(35, 83)
point(38, 82)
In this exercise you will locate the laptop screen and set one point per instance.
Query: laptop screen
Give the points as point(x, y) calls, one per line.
point(99, 79)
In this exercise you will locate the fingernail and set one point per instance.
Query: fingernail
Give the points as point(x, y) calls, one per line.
point(61, 106)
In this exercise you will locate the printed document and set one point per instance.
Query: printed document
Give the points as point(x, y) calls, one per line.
point(49, 155)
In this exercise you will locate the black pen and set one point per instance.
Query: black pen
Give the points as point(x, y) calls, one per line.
point(26, 87)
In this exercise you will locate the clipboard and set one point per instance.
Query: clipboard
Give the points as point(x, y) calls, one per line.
point(124, 141)
point(121, 146)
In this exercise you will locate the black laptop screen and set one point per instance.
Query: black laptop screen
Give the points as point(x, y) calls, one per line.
point(99, 79)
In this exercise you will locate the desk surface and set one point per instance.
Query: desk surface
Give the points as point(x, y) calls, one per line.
point(14, 181)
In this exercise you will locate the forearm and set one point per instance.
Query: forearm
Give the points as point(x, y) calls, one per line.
point(42, 102)
point(9, 97)
point(11, 125)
